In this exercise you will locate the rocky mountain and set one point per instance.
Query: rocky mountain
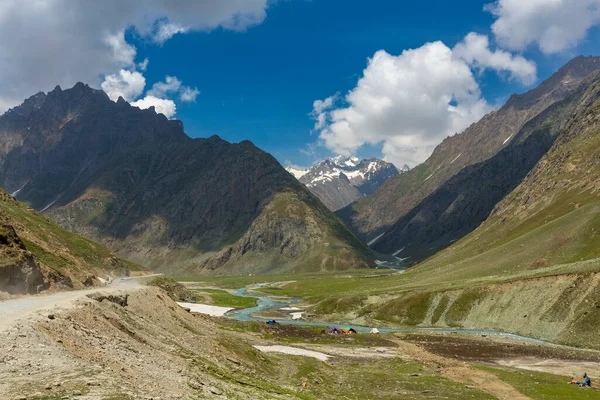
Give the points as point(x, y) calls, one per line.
point(135, 181)
point(549, 224)
point(36, 254)
point(340, 180)
point(464, 201)
point(501, 148)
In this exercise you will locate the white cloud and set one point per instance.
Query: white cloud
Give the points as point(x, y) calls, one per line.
point(408, 102)
point(475, 51)
point(50, 42)
point(188, 94)
point(143, 65)
point(128, 84)
point(161, 89)
point(122, 52)
point(553, 25)
point(162, 106)
point(173, 85)
point(321, 105)
point(167, 30)
point(319, 112)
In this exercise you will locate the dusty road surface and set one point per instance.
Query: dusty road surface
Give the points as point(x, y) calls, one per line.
point(15, 310)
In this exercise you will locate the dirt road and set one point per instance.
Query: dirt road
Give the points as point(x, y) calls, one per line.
point(12, 311)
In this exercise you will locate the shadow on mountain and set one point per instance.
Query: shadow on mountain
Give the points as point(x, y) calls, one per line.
point(463, 202)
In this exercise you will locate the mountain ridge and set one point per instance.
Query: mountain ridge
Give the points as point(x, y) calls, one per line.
point(135, 181)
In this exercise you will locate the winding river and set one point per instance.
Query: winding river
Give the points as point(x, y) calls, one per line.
point(265, 303)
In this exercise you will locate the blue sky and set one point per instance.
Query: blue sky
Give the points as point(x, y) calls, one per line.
point(260, 65)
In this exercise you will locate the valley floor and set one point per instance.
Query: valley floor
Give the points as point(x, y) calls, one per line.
point(134, 342)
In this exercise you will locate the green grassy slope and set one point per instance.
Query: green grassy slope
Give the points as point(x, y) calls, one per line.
point(64, 257)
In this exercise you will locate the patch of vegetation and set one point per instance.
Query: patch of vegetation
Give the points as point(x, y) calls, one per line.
point(410, 309)
point(540, 385)
point(223, 298)
point(175, 290)
point(335, 304)
point(439, 310)
point(460, 308)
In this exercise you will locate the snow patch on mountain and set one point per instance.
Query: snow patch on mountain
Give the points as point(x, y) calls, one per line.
point(297, 172)
point(16, 192)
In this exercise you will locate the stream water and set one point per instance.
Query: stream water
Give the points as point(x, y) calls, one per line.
point(266, 302)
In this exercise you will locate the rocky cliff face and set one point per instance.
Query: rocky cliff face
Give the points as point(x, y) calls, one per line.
point(339, 181)
point(133, 180)
point(399, 196)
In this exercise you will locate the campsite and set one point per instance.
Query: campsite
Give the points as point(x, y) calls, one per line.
point(500, 363)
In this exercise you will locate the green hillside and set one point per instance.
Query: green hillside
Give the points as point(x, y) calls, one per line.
point(36, 254)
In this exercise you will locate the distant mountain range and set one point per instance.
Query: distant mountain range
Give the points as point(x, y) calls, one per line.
point(133, 180)
point(416, 214)
point(340, 180)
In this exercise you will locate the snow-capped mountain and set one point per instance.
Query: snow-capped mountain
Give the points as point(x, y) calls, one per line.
point(340, 180)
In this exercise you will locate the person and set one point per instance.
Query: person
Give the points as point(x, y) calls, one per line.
point(582, 381)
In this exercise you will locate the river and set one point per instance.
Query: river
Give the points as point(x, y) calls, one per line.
point(266, 302)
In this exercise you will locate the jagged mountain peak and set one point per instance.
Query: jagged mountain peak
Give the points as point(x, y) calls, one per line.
point(344, 162)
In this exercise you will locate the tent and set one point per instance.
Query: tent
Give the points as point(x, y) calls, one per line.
point(334, 330)
point(272, 322)
point(374, 330)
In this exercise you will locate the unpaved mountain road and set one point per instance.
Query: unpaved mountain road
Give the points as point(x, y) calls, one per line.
point(15, 310)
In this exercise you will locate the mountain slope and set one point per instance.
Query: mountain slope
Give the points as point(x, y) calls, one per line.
point(396, 198)
point(133, 180)
point(551, 221)
point(36, 254)
point(467, 199)
point(339, 181)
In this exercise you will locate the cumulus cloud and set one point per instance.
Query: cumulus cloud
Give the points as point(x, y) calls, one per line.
point(161, 89)
point(162, 106)
point(130, 85)
point(408, 102)
point(173, 85)
point(69, 41)
point(127, 84)
point(553, 25)
point(475, 51)
point(188, 94)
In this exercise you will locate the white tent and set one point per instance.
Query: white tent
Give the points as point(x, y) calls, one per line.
point(374, 330)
